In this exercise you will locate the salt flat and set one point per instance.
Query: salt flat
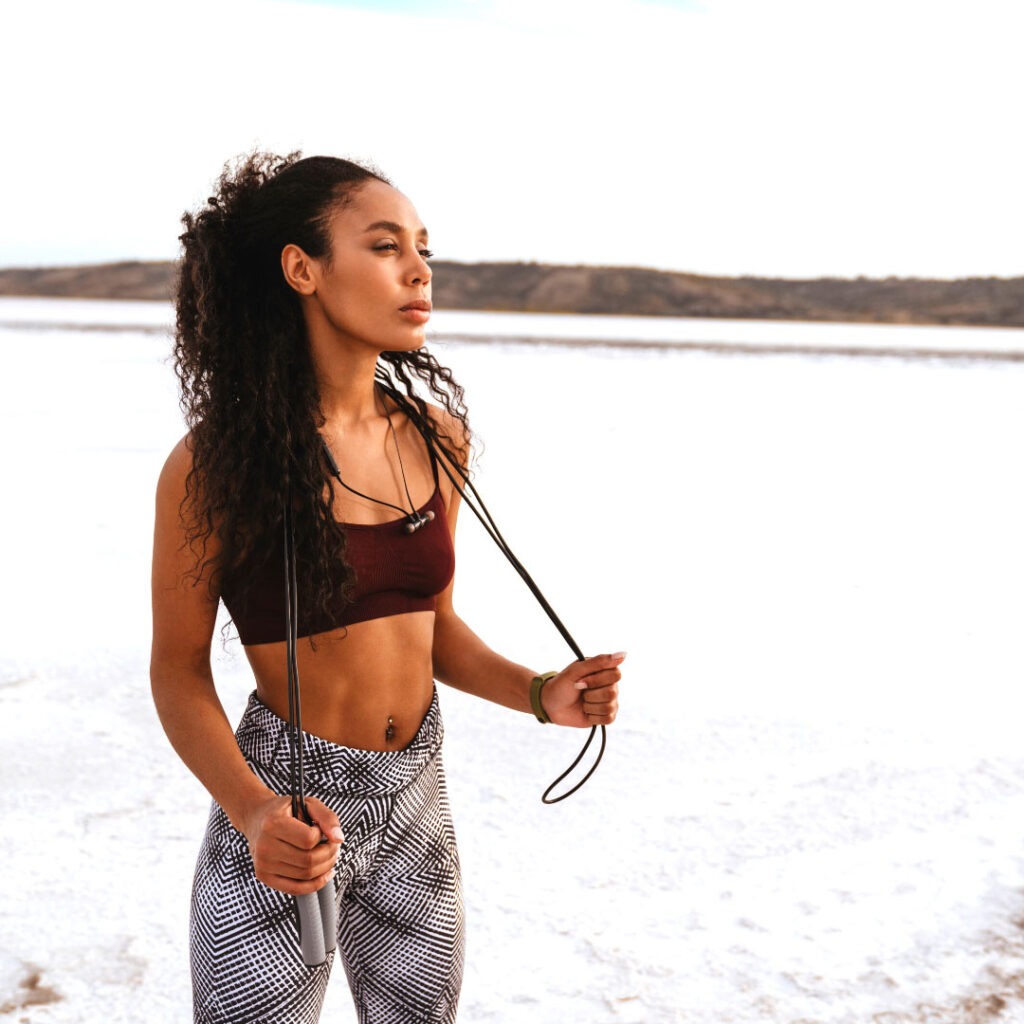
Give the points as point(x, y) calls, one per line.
point(812, 806)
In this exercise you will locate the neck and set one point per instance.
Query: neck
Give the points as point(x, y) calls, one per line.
point(348, 398)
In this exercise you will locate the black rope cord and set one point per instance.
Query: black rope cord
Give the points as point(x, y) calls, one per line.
point(487, 521)
point(332, 465)
point(291, 618)
point(414, 520)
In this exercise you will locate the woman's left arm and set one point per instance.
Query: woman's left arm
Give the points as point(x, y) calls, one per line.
point(584, 693)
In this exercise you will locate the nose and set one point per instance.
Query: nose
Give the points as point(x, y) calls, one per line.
point(419, 271)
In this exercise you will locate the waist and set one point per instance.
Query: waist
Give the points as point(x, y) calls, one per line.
point(354, 680)
point(345, 771)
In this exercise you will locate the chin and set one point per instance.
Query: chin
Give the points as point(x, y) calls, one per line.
point(410, 345)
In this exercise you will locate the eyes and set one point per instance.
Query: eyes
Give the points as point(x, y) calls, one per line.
point(393, 247)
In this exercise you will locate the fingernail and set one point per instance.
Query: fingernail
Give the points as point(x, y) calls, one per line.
point(619, 654)
point(336, 834)
point(581, 685)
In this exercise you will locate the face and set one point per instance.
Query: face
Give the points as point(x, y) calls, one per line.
point(375, 290)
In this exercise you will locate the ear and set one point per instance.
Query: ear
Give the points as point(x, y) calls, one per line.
point(299, 269)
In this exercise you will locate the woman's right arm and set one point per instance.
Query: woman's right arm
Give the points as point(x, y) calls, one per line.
point(286, 852)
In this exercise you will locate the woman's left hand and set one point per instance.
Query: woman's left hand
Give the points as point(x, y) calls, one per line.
point(584, 693)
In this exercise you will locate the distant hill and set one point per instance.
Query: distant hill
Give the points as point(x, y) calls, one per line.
point(545, 288)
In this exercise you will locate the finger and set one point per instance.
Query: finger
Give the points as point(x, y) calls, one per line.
point(598, 662)
point(606, 677)
point(301, 865)
point(606, 695)
point(326, 820)
point(595, 663)
point(296, 833)
point(295, 887)
point(302, 849)
point(601, 714)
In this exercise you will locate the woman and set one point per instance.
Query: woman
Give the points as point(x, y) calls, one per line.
point(303, 297)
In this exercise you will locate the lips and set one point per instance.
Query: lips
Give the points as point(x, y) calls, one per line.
point(420, 304)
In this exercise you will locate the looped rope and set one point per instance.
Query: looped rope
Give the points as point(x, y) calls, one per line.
point(487, 521)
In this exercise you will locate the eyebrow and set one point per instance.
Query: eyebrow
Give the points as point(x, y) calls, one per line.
point(390, 225)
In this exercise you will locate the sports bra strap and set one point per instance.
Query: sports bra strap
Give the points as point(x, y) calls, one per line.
point(432, 454)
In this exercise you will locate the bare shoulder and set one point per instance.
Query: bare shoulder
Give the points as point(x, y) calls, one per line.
point(174, 474)
point(454, 456)
point(183, 584)
point(181, 545)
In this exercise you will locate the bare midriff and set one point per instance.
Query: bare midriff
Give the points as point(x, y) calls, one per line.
point(356, 679)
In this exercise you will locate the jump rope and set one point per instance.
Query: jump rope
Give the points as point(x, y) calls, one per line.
point(317, 914)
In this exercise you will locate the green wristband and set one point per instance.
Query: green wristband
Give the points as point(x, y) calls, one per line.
point(536, 685)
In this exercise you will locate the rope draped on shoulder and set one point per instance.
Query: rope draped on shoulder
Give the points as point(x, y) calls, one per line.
point(457, 473)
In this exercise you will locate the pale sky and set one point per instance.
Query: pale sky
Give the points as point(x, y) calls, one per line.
point(774, 137)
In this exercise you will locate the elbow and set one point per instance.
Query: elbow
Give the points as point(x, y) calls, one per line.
point(446, 625)
point(173, 677)
point(161, 686)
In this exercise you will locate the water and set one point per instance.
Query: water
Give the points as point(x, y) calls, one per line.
point(812, 805)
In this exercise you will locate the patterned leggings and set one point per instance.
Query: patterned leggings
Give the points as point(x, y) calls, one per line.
point(400, 928)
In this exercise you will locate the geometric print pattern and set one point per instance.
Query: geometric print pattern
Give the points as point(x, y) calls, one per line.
point(397, 889)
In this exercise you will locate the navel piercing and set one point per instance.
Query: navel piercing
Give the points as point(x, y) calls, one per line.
point(389, 732)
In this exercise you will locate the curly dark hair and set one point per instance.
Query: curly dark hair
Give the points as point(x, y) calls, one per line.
point(248, 390)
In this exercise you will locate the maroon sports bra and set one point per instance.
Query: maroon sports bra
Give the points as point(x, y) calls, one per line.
point(396, 572)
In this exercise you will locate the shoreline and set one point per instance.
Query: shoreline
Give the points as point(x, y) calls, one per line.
point(582, 290)
point(721, 336)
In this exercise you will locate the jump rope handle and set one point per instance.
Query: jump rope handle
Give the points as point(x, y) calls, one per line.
point(318, 924)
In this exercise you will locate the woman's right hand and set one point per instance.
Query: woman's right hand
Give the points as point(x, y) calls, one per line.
point(288, 854)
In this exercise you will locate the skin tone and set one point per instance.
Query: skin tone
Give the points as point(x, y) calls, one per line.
point(371, 295)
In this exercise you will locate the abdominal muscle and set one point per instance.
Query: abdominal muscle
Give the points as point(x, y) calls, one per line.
point(356, 679)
